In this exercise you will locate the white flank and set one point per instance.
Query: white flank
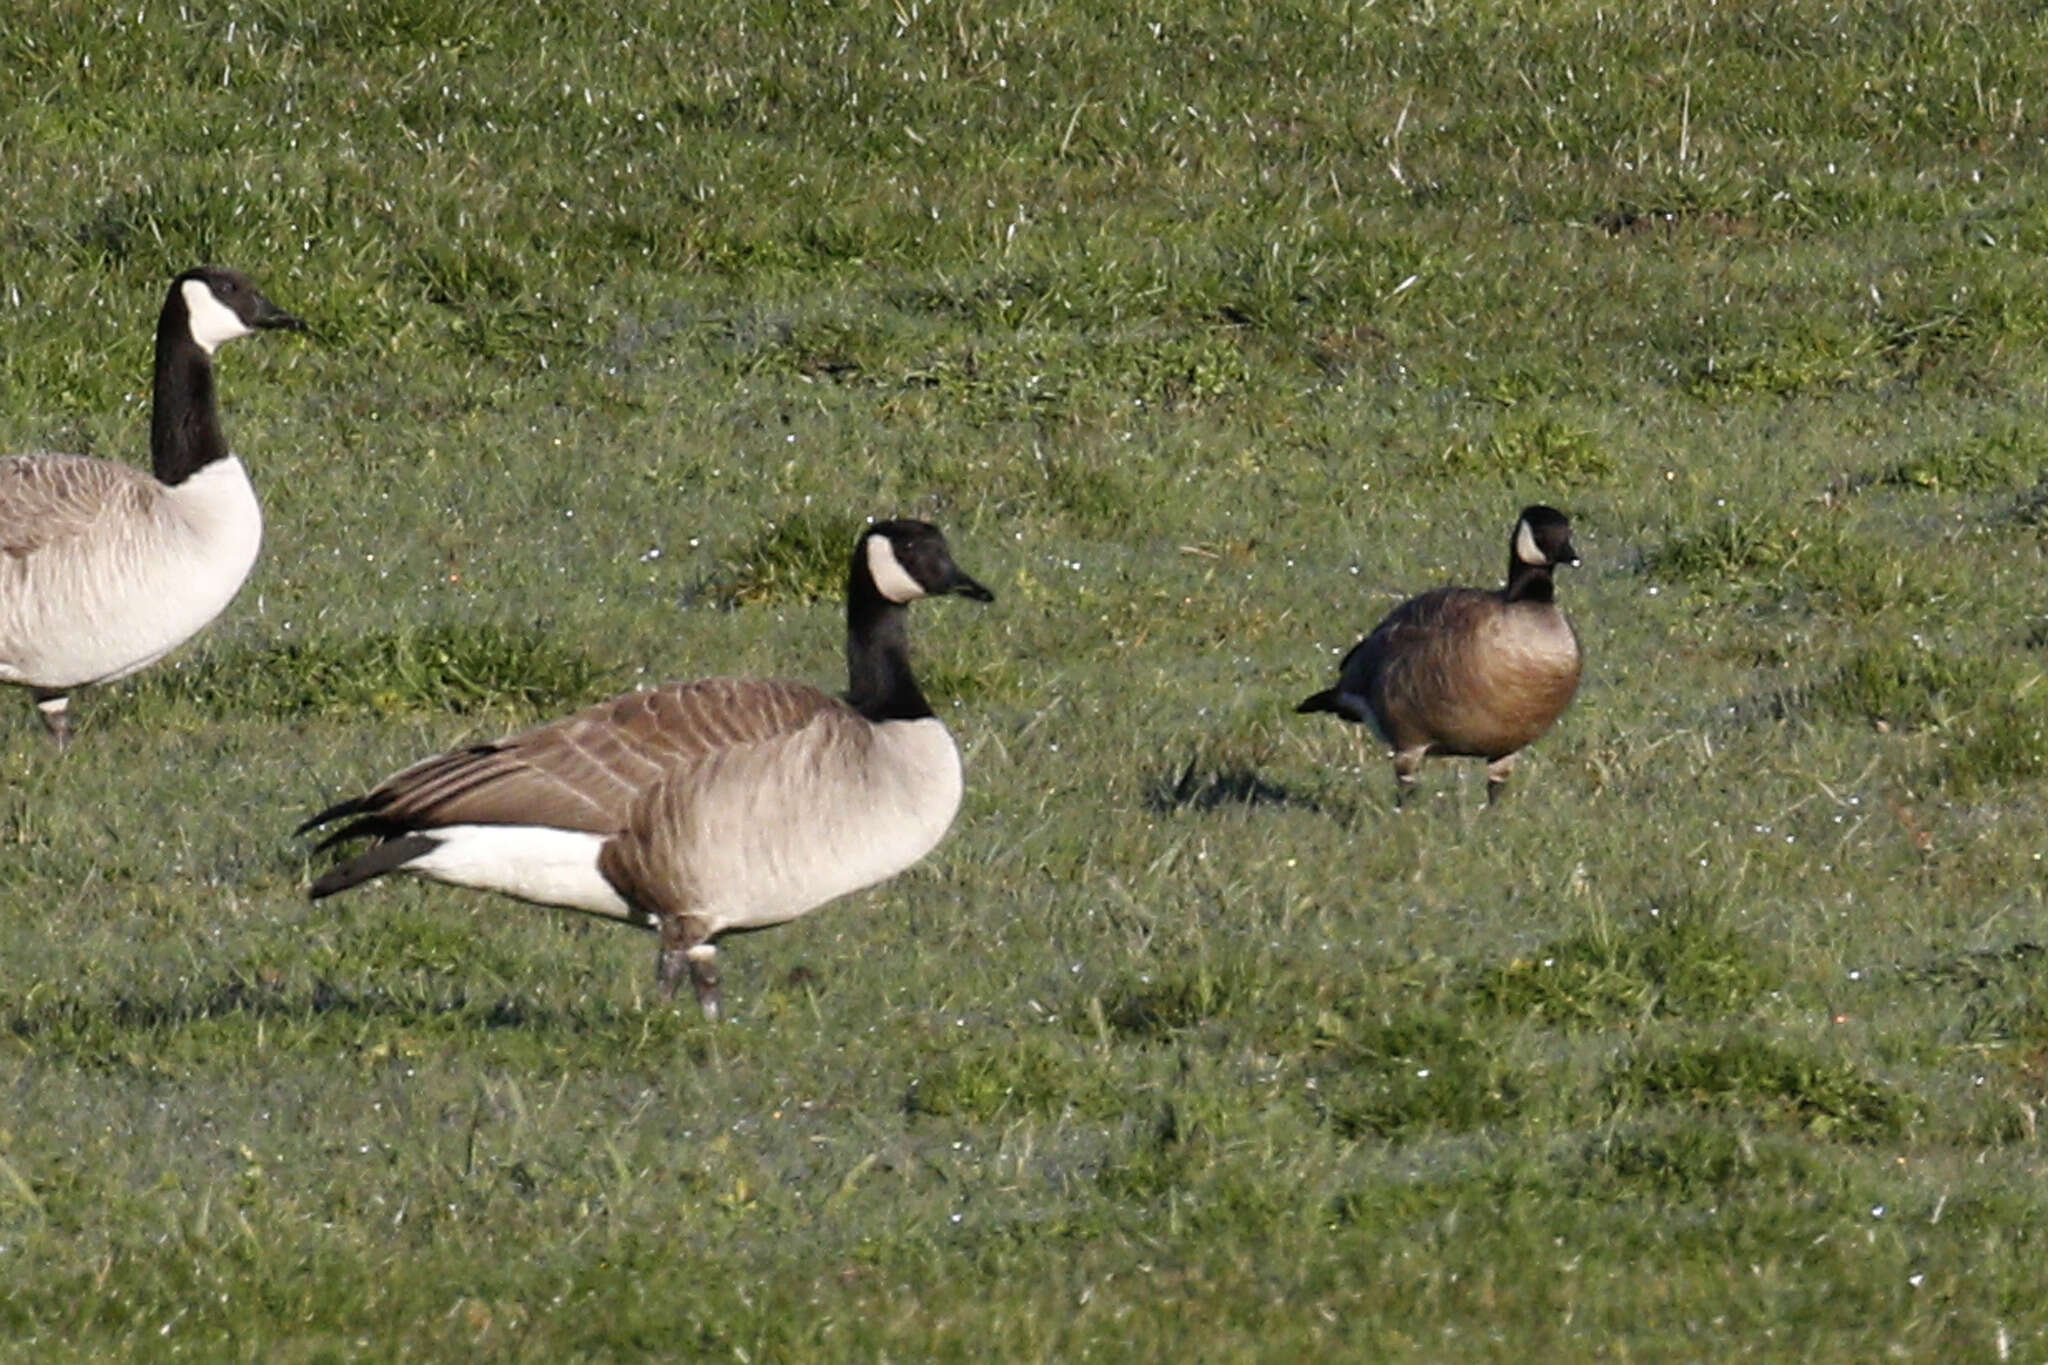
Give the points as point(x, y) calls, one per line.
point(138, 584)
point(892, 580)
point(532, 862)
point(1525, 545)
point(211, 321)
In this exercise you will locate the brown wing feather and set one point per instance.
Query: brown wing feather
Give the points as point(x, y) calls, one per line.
point(584, 771)
point(48, 499)
point(1405, 655)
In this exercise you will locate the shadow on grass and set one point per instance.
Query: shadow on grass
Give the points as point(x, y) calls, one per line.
point(250, 999)
point(87, 1027)
point(1992, 996)
point(1209, 788)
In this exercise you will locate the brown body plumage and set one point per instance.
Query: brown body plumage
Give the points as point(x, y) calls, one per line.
point(1468, 671)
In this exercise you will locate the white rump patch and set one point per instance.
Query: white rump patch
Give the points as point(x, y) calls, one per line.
point(211, 321)
point(1525, 546)
point(532, 862)
point(892, 580)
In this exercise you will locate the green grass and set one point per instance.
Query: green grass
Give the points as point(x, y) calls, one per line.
point(449, 665)
point(800, 558)
point(1208, 334)
point(1996, 459)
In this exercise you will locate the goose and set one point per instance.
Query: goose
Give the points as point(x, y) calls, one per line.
point(696, 809)
point(104, 569)
point(1468, 671)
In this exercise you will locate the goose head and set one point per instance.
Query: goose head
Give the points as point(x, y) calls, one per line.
point(221, 304)
point(1543, 538)
point(901, 561)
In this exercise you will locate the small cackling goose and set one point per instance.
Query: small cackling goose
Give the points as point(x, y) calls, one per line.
point(1466, 671)
point(697, 809)
point(105, 569)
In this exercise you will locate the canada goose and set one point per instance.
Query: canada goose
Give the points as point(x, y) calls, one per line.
point(105, 569)
point(697, 809)
point(1467, 671)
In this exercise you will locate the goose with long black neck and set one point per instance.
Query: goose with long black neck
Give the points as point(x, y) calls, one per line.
point(1469, 671)
point(104, 568)
point(879, 683)
point(697, 809)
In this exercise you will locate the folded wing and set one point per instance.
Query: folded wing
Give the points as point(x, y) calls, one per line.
point(48, 499)
point(585, 771)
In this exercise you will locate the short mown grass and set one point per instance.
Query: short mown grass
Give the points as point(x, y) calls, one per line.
point(463, 667)
point(1208, 333)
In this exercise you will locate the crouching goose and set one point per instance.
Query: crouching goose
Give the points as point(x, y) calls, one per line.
point(1467, 671)
point(697, 809)
point(105, 569)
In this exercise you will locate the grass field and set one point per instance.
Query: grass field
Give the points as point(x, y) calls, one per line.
point(1207, 332)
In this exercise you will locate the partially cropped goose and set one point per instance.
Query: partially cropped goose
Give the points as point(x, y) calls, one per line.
point(697, 809)
point(1466, 671)
point(104, 569)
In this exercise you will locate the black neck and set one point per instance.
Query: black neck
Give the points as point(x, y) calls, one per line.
point(184, 425)
point(1528, 582)
point(879, 684)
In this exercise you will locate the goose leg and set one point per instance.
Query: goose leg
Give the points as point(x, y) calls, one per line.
point(704, 976)
point(1407, 762)
point(54, 708)
point(1497, 777)
point(683, 946)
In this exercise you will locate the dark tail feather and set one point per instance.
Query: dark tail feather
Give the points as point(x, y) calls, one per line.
point(370, 826)
point(1338, 702)
point(388, 856)
point(355, 805)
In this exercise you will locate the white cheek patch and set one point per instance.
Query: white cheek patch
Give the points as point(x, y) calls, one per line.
point(1525, 546)
point(892, 580)
point(211, 321)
